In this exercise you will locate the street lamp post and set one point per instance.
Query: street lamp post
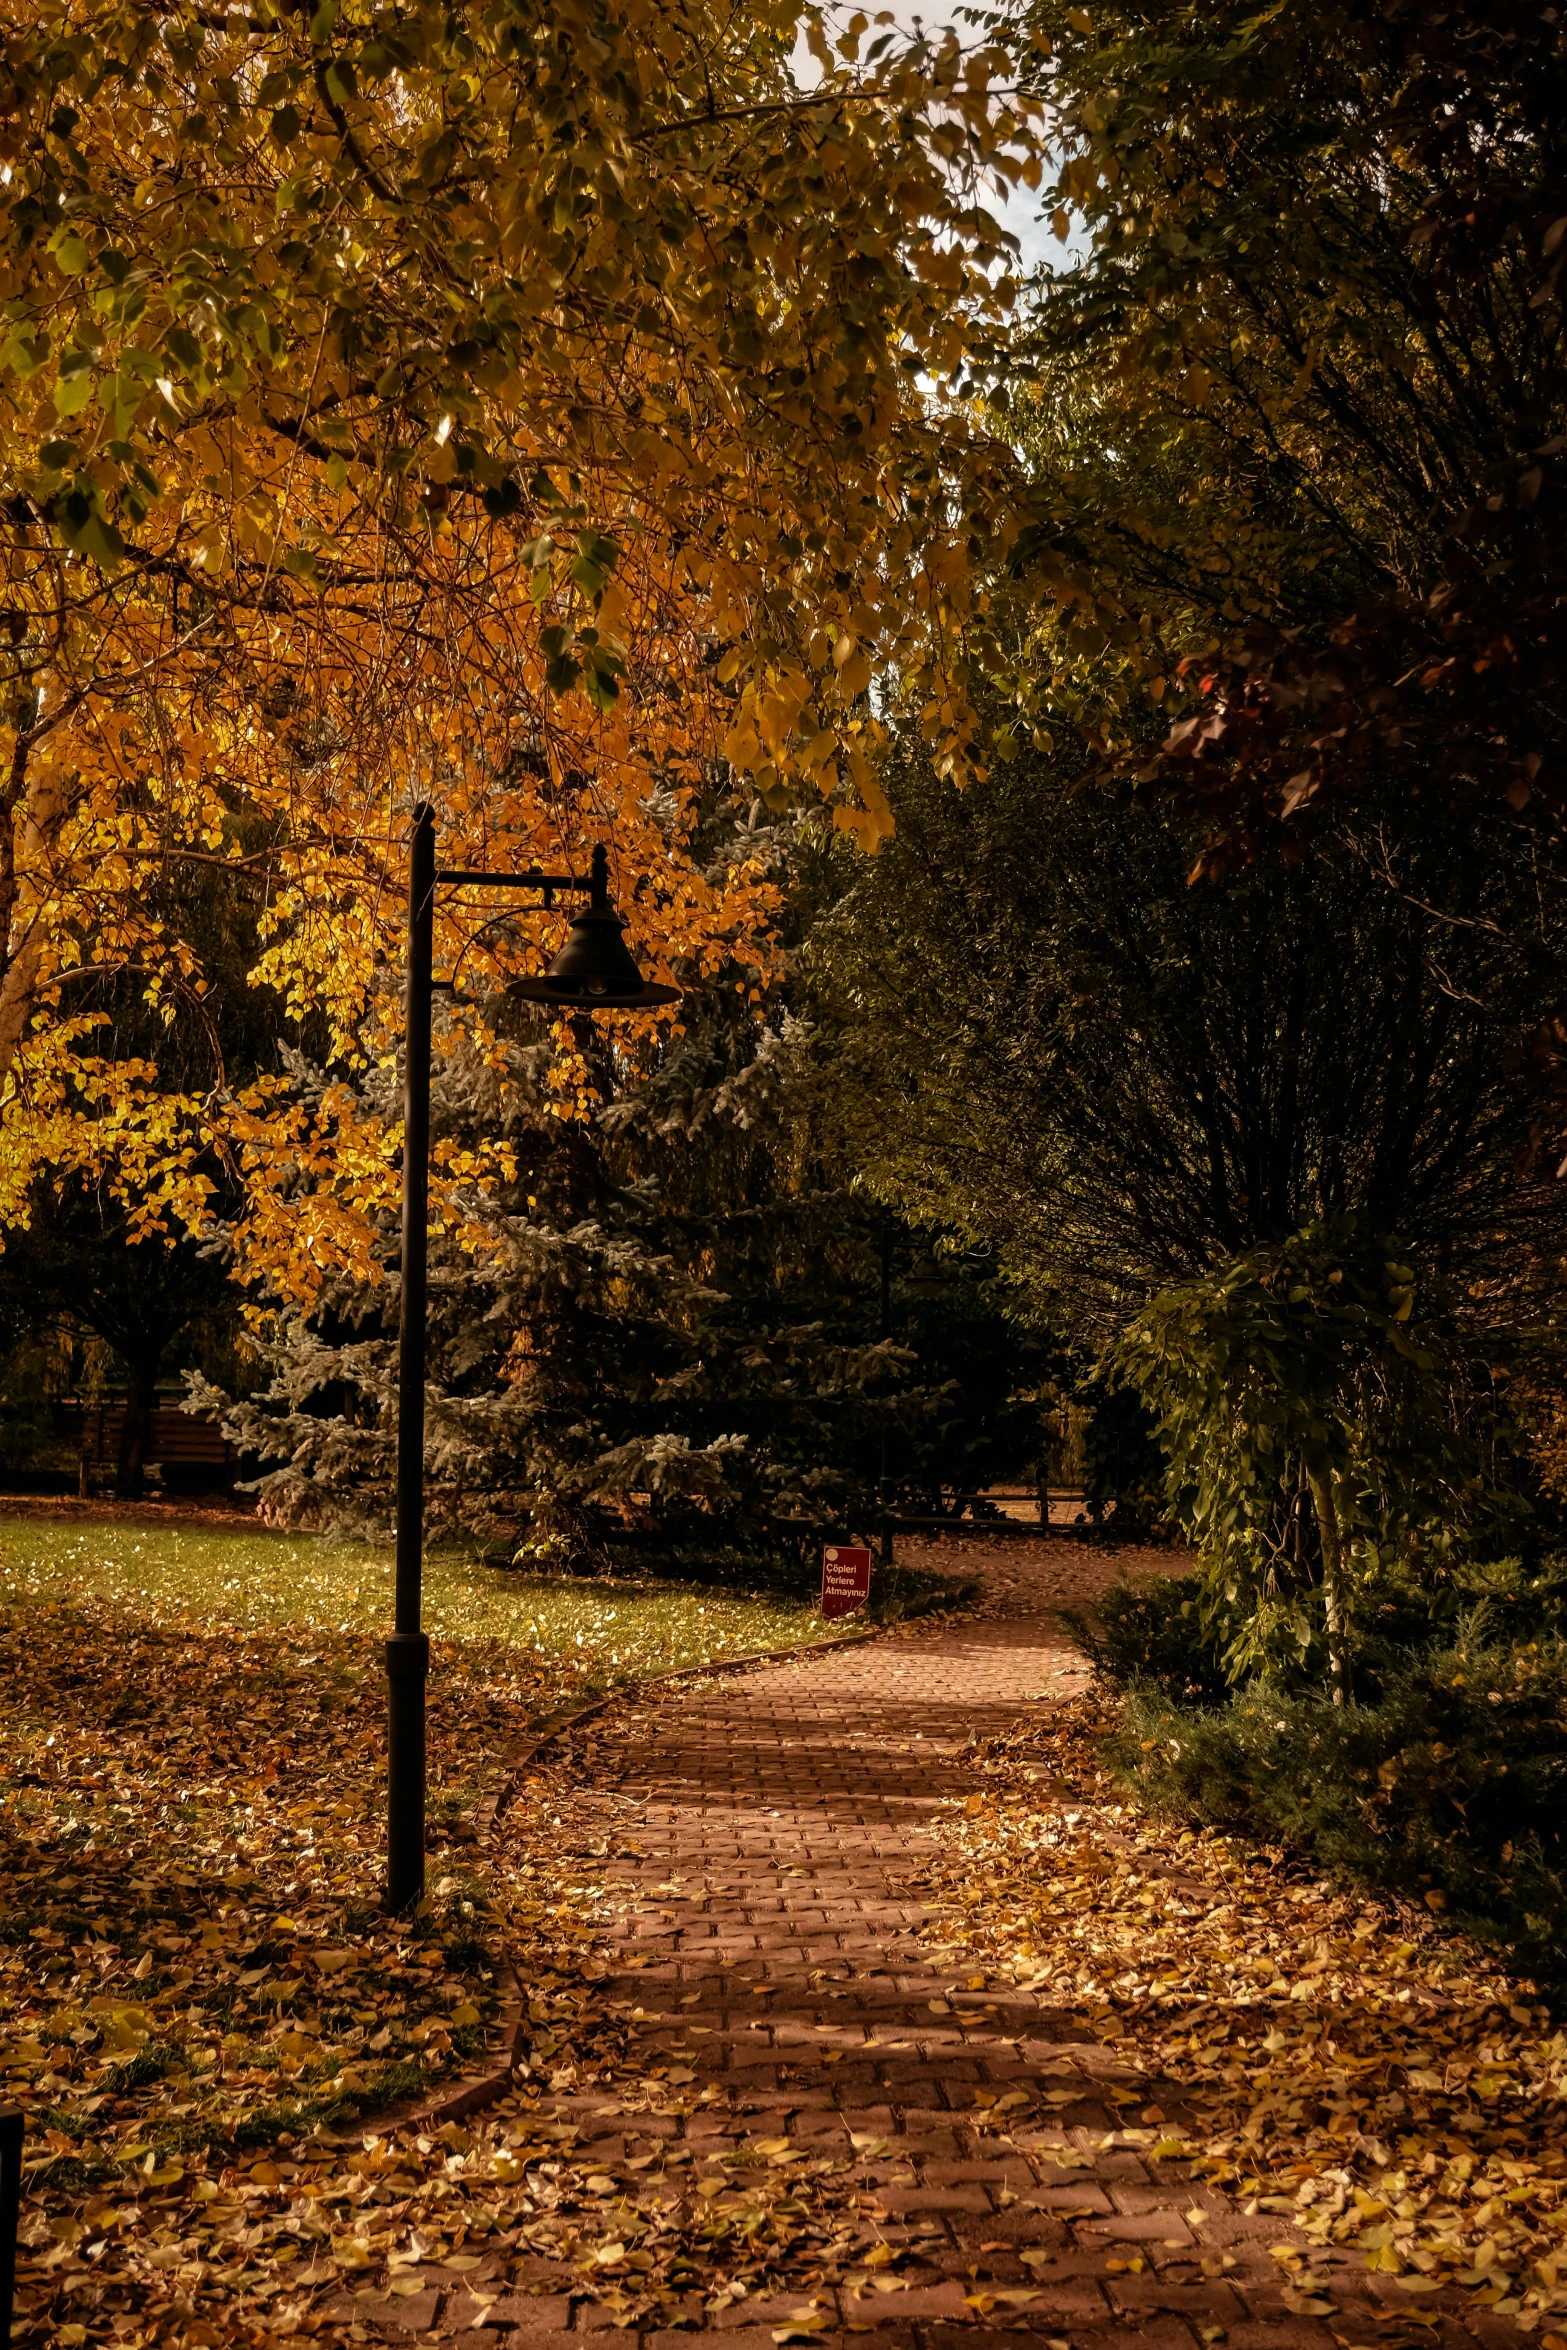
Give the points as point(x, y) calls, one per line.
point(593, 972)
point(408, 1650)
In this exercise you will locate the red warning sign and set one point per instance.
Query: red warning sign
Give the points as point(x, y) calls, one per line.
point(846, 1578)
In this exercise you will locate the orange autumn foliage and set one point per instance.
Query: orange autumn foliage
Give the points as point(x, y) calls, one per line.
point(553, 413)
point(286, 743)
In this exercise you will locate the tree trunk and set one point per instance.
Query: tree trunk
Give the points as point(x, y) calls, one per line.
point(136, 1428)
point(1332, 1582)
point(38, 815)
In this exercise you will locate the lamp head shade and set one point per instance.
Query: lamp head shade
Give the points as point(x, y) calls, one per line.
point(595, 971)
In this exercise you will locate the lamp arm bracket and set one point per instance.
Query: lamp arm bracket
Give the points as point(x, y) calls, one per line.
point(547, 882)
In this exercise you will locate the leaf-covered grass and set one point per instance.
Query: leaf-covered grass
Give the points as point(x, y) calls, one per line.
point(598, 1632)
point(316, 2235)
point(193, 1962)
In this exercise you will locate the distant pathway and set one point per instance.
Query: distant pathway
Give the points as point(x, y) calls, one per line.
point(770, 1822)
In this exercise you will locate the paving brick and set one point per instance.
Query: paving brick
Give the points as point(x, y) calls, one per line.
point(1077, 2195)
point(1037, 2323)
point(1153, 2227)
point(1015, 2174)
point(931, 2143)
point(770, 2309)
point(1129, 2195)
point(741, 2337)
point(409, 2313)
point(920, 2302)
point(1157, 2333)
point(1251, 2333)
point(510, 2309)
point(1017, 2226)
point(1110, 2163)
point(1203, 2300)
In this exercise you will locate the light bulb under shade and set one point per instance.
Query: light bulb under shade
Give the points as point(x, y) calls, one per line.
point(595, 971)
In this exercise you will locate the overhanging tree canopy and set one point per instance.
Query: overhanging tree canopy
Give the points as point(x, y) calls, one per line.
point(1299, 442)
point(1053, 1044)
point(477, 401)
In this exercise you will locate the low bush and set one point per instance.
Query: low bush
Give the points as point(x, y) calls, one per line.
point(1450, 1788)
point(1154, 1635)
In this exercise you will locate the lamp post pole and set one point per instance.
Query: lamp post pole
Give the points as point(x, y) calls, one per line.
point(408, 1650)
point(884, 1495)
point(594, 972)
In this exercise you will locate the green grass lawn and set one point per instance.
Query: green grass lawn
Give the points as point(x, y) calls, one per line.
point(252, 1579)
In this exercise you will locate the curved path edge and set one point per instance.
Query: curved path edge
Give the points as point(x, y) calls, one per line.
point(760, 1844)
point(473, 2092)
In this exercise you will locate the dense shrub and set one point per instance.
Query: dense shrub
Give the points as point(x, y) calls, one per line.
point(1451, 1787)
point(1154, 1636)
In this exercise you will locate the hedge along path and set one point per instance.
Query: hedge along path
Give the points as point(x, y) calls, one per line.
point(834, 2126)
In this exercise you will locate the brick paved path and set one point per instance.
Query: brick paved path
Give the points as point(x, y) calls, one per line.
point(764, 1828)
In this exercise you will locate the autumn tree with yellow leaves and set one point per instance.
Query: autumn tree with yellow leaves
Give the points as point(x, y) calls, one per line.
point(527, 410)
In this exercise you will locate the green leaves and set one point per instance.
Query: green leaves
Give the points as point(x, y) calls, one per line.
point(84, 527)
point(594, 565)
point(24, 352)
point(561, 671)
point(70, 251)
point(183, 348)
point(435, 158)
point(602, 671)
point(75, 384)
point(1314, 1448)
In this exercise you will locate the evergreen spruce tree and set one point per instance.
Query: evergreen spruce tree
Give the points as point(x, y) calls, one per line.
point(670, 1328)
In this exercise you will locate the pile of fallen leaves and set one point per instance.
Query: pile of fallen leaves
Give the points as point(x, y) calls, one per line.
point(1332, 2058)
point(192, 1962)
point(206, 2016)
point(343, 2230)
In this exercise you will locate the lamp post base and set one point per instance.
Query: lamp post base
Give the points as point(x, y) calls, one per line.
point(407, 1668)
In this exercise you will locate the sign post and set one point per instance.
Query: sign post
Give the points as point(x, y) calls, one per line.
point(846, 1578)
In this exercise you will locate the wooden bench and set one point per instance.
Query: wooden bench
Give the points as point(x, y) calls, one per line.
point(196, 1450)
